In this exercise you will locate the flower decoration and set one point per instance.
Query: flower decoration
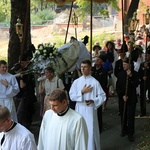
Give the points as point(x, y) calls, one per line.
point(46, 55)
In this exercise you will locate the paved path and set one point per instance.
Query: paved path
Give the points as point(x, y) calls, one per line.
point(110, 137)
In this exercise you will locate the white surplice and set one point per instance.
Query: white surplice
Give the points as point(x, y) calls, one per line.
point(89, 112)
point(18, 138)
point(7, 93)
point(68, 132)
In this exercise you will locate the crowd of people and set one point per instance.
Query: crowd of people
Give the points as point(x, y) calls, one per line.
point(71, 115)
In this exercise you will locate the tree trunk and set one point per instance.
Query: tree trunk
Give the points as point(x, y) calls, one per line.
point(21, 9)
point(133, 7)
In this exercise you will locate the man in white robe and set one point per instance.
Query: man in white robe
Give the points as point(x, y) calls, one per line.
point(14, 136)
point(89, 95)
point(62, 128)
point(8, 89)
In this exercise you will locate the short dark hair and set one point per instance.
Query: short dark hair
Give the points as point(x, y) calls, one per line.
point(96, 46)
point(87, 61)
point(4, 113)
point(110, 42)
point(59, 95)
point(50, 69)
point(3, 62)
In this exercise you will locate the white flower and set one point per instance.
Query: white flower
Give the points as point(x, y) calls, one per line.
point(38, 52)
point(41, 47)
point(44, 50)
point(55, 52)
point(50, 54)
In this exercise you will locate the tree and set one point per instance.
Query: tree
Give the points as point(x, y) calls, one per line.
point(84, 6)
point(21, 9)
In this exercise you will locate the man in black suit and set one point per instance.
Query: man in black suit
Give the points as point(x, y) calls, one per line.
point(100, 74)
point(118, 68)
point(127, 82)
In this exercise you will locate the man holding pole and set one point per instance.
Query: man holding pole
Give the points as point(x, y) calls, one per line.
point(127, 82)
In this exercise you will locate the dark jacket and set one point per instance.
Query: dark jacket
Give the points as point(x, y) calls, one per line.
point(127, 84)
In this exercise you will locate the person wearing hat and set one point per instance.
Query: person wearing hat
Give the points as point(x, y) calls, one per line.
point(8, 89)
point(85, 40)
point(127, 81)
point(100, 74)
point(144, 74)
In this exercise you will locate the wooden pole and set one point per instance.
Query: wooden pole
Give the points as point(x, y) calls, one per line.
point(124, 108)
point(123, 26)
point(68, 22)
point(91, 30)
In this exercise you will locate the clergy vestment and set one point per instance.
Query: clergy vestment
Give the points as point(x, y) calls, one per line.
point(89, 112)
point(18, 138)
point(7, 93)
point(67, 132)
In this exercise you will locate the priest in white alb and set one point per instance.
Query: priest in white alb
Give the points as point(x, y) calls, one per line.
point(89, 95)
point(13, 135)
point(62, 128)
point(8, 89)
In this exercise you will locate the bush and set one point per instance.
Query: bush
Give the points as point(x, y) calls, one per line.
point(42, 17)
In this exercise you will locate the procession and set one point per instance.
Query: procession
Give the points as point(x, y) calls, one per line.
point(76, 95)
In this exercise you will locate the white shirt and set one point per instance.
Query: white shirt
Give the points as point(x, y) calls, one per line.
point(68, 132)
point(50, 86)
point(19, 138)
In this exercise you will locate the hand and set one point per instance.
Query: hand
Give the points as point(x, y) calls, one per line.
point(129, 73)
point(88, 102)
point(86, 89)
point(125, 98)
point(4, 82)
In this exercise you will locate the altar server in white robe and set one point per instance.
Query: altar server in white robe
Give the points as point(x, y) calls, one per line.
point(8, 89)
point(14, 136)
point(89, 95)
point(62, 128)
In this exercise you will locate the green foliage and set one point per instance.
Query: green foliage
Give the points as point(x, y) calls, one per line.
point(5, 10)
point(41, 17)
point(3, 58)
point(101, 37)
point(84, 7)
point(35, 20)
point(104, 12)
